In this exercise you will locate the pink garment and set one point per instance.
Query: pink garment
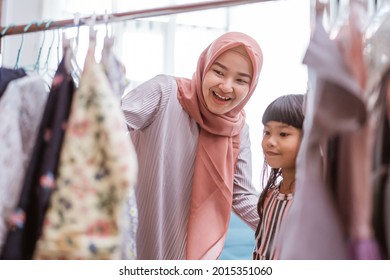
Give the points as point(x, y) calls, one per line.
point(313, 228)
point(353, 188)
point(217, 151)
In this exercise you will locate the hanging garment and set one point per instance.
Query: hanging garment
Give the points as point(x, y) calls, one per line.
point(386, 215)
point(381, 165)
point(353, 188)
point(41, 173)
point(115, 72)
point(386, 198)
point(7, 75)
point(96, 168)
point(129, 229)
point(113, 68)
point(21, 110)
point(312, 228)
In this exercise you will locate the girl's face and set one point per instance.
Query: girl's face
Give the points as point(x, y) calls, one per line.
point(227, 82)
point(280, 144)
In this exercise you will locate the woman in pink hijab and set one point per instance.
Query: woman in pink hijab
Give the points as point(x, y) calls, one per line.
point(193, 149)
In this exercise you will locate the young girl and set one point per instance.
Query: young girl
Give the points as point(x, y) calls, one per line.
point(282, 120)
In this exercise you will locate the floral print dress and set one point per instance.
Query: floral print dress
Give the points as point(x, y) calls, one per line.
point(96, 170)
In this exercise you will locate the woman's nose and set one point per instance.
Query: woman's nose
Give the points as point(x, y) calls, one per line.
point(226, 85)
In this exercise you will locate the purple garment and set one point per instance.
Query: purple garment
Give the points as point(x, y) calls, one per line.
point(312, 228)
point(364, 250)
point(7, 75)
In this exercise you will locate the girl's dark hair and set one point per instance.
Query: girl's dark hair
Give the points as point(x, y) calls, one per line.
point(287, 109)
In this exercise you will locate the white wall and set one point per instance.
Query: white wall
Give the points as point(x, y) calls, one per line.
point(13, 14)
point(282, 29)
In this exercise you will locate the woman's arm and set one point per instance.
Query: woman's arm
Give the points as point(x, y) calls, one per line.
point(145, 102)
point(245, 196)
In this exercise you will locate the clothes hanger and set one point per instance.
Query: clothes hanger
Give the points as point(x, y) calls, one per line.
point(37, 62)
point(70, 59)
point(58, 46)
point(16, 66)
point(112, 66)
point(107, 43)
point(47, 73)
point(46, 64)
point(92, 33)
point(70, 47)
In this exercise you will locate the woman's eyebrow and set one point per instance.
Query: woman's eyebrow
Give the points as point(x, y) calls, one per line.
point(220, 65)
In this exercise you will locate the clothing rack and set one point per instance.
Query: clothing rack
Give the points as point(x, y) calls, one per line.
point(108, 18)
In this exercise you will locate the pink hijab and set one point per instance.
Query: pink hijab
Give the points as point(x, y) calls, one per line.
point(217, 151)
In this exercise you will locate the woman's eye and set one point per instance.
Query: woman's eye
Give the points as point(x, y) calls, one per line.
point(240, 81)
point(218, 72)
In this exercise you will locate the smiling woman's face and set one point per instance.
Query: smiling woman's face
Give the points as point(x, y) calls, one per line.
point(227, 82)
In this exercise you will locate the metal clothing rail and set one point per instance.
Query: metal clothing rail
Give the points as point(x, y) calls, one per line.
point(107, 18)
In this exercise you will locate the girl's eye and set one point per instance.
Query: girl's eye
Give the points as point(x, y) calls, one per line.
point(265, 132)
point(284, 134)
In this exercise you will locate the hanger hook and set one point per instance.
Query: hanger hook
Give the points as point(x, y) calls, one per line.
point(58, 31)
point(77, 23)
point(46, 66)
point(106, 18)
point(6, 29)
point(21, 44)
point(92, 32)
point(36, 66)
point(91, 24)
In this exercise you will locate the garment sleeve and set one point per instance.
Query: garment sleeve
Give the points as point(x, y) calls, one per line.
point(245, 196)
point(145, 102)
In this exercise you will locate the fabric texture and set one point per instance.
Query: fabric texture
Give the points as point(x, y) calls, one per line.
point(276, 206)
point(7, 75)
point(130, 226)
point(217, 150)
point(115, 72)
point(114, 69)
point(42, 170)
point(313, 227)
point(21, 110)
point(97, 166)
